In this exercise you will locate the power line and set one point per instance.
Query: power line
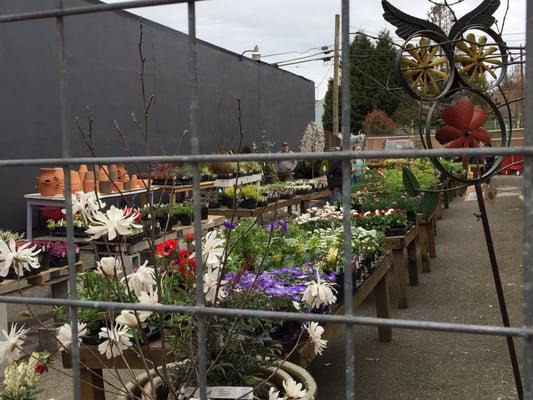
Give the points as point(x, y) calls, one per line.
point(297, 51)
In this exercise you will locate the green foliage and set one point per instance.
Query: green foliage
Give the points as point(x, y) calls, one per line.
point(250, 192)
point(177, 209)
point(378, 123)
point(369, 61)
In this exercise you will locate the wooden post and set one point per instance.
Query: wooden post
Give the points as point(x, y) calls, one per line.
point(413, 260)
point(335, 131)
point(398, 264)
point(383, 309)
point(92, 384)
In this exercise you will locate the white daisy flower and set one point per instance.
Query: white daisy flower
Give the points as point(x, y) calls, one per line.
point(273, 394)
point(64, 335)
point(108, 265)
point(315, 332)
point(21, 258)
point(11, 344)
point(210, 286)
point(114, 222)
point(319, 293)
point(117, 340)
point(87, 204)
point(142, 280)
point(294, 390)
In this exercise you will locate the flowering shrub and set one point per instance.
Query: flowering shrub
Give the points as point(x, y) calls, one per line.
point(313, 139)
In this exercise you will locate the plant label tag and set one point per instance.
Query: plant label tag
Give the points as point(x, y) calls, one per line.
point(224, 392)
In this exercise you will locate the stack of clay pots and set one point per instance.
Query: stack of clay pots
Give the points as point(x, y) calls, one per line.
point(104, 179)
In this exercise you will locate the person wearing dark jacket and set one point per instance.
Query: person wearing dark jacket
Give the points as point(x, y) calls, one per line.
point(334, 176)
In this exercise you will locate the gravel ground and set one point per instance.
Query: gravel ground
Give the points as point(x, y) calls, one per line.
point(421, 365)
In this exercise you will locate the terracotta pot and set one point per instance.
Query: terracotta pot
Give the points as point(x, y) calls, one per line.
point(75, 182)
point(106, 186)
point(60, 182)
point(121, 172)
point(103, 174)
point(88, 182)
point(134, 182)
point(82, 171)
point(118, 186)
point(113, 172)
point(127, 185)
point(46, 182)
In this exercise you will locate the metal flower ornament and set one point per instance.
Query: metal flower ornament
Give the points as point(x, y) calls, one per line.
point(455, 75)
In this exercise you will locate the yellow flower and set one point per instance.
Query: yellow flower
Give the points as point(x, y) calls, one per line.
point(331, 257)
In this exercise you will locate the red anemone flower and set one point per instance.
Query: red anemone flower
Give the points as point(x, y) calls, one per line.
point(166, 248)
point(189, 237)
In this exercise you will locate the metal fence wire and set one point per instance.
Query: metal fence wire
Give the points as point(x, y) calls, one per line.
point(199, 310)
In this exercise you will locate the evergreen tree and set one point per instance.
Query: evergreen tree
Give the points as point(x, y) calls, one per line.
point(369, 61)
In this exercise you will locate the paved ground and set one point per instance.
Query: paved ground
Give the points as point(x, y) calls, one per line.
point(420, 365)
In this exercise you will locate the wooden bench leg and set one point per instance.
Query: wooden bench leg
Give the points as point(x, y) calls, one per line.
point(413, 261)
point(398, 265)
point(431, 239)
point(447, 198)
point(92, 384)
point(424, 248)
point(438, 212)
point(383, 308)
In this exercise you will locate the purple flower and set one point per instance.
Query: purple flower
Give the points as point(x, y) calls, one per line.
point(271, 227)
point(283, 225)
point(228, 224)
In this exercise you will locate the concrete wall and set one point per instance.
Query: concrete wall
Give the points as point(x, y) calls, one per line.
point(103, 74)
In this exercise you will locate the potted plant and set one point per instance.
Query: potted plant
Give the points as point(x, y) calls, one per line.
point(227, 197)
point(182, 212)
point(250, 196)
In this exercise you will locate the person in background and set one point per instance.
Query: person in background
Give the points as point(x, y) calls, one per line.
point(286, 168)
point(334, 176)
point(358, 166)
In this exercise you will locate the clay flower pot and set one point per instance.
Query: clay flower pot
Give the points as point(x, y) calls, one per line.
point(121, 171)
point(103, 174)
point(113, 173)
point(106, 186)
point(88, 182)
point(134, 182)
point(75, 182)
point(82, 171)
point(46, 182)
point(60, 182)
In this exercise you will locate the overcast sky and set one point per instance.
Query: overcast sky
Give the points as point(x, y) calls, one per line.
point(303, 26)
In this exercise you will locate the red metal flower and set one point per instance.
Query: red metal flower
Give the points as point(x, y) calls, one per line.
point(464, 126)
point(166, 248)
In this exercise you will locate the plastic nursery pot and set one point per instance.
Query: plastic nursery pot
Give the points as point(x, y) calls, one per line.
point(185, 219)
point(411, 215)
point(44, 260)
point(205, 212)
point(248, 203)
point(156, 391)
point(227, 202)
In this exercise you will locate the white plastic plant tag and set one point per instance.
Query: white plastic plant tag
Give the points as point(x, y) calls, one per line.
point(224, 392)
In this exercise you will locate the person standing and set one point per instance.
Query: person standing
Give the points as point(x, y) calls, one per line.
point(286, 168)
point(334, 176)
point(358, 166)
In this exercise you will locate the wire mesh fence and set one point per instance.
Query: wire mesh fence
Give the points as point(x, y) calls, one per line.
point(199, 310)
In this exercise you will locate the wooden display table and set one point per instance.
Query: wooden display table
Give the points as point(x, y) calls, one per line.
point(272, 207)
point(376, 283)
point(182, 190)
point(398, 245)
point(56, 277)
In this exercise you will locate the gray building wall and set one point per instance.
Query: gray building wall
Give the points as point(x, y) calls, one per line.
point(103, 74)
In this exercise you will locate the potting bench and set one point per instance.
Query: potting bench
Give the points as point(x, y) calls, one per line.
point(399, 245)
point(376, 283)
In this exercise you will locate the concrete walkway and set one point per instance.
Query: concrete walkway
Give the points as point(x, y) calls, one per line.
point(422, 365)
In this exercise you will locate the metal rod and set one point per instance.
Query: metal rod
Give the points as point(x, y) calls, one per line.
point(499, 287)
point(95, 8)
point(340, 155)
point(528, 213)
point(349, 350)
point(65, 149)
point(486, 330)
point(201, 351)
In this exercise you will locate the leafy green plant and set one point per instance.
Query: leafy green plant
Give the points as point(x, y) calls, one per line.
point(250, 192)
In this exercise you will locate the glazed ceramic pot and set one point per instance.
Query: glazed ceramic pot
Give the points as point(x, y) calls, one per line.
point(46, 182)
point(82, 171)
